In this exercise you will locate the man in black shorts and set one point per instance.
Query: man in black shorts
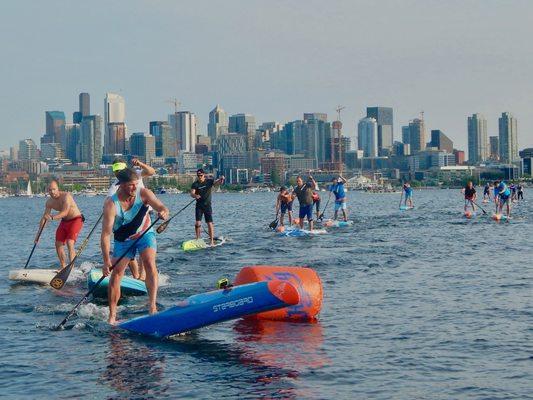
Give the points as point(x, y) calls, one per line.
point(201, 191)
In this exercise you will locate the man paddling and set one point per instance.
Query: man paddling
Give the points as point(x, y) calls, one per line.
point(470, 196)
point(201, 191)
point(284, 204)
point(126, 216)
point(71, 221)
point(408, 194)
point(504, 194)
point(304, 192)
point(142, 170)
point(337, 188)
point(486, 192)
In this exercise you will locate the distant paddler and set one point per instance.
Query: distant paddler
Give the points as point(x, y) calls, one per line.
point(486, 193)
point(126, 216)
point(201, 191)
point(284, 205)
point(304, 192)
point(470, 196)
point(504, 194)
point(337, 188)
point(142, 170)
point(408, 190)
point(71, 221)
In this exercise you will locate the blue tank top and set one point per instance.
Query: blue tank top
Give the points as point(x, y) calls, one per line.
point(338, 191)
point(503, 189)
point(124, 217)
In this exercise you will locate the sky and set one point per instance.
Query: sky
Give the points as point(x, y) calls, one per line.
point(273, 59)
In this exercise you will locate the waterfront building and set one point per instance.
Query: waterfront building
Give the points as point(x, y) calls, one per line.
point(441, 141)
point(27, 150)
point(55, 127)
point(384, 119)
point(508, 138)
point(244, 124)
point(527, 157)
point(165, 145)
point(218, 123)
point(115, 140)
point(51, 151)
point(406, 134)
point(114, 113)
point(417, 135)
point(143, 146)
point(90, 143)
point(494, 148)
point(367, 136)
point(477, 139)
point(183, 126)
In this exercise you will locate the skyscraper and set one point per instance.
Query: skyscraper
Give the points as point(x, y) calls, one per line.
point(84, 108)
point(27, 150)
point(477, 139)
point(55, 127)
point(143, 146)
point(318, 116)
point(218, 123)
point(508, 138)
point(384, 119)
point(71, 142)
point(417, 135)
point(367, 136)
point(245, 125)
point(90, 143)
point(115, 139)
point(165, 145)
point(441, 141)
point(406, 139)
point(114, 112)
point(183, 130)
point(494, 148)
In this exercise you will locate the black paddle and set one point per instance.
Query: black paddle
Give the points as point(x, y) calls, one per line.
point(321, 215)
point(274, 224)
point(482, 209)
point(103, 277)
point(161, 228)
point(35, 243)
point(401, 199)
point(61, 277)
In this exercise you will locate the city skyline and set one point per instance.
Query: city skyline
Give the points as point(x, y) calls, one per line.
point(450, 69)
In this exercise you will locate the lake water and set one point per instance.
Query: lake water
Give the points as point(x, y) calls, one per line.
point(417, 304)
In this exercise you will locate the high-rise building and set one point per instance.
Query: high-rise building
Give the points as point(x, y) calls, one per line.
point(218, 123)
point(417, 135)
point(114, 111)
point(51, 151)
point(84, 109)
point(71, 142)
point(508, 138)
point(90, 143)
point(143, 146)
point(459, 156)
point(165, 145)
point(27, 150)
point(477, 139)
point(494, 148)
point(441, 141)
point(384, 119)
point(183, 130)
point(244, 124)
point(367, 136)
point(55, 127)
point(406, 139)
point(318, 116)
point(115, 139)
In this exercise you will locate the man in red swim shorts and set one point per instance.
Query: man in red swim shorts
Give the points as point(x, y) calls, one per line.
point(71, 221)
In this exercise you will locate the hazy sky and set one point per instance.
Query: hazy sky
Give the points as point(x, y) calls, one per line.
point(273, 59)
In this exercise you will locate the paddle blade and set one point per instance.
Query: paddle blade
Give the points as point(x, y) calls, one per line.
point(161, 228)
point(61, 277)
point(273, 224)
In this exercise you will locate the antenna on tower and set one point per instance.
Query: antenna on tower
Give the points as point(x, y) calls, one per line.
point(175, 102)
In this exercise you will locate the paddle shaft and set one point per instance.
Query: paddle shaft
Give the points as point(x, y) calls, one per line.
point(161, 228)
point(103, 277)
point(35, 244)
point(401, 198)
point(321, 216)
point(59, 279)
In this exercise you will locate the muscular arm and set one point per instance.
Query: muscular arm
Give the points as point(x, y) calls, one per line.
point(343, 179)
point(146, 169)
point(148, 197)
point(193, 194)
point(107, 229)
point(219, 181)
point(65, 207)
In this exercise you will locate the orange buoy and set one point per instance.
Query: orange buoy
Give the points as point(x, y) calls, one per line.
point(280, 228)
point(468, 214)
point(296, 221)
point(496, 217)
point(305, 280)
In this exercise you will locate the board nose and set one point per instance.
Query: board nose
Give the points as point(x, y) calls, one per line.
point(284, 291)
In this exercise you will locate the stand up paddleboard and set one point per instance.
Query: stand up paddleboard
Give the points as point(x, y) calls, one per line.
point(329, 223)
point(128, 286)
point(501, 217)
point(40, 276)
point(217, 306)
point(200, 244)
point(302, 232)
point(470, 214)
point(405, 208)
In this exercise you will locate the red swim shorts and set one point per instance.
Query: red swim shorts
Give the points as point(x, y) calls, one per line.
point(69, 229)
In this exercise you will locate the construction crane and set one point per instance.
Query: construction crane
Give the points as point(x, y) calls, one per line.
point(176, 103)
point(339, 109)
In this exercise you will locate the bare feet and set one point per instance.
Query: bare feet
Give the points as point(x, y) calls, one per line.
point(153, 309)
point(112, 319)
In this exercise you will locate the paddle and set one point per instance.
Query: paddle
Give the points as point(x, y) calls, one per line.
point(61, 277)
point(321, 215)
point(71, 313)
point(401, 199)
point(274, 224)
point(35, 243)
point(161, 228)
point(482, 209)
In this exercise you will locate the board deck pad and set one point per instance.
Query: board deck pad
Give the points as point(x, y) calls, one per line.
point(128, 286)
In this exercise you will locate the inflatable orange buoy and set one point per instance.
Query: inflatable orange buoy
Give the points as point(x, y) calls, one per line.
point(496, 217)
point(305, 280)
point(296, 221)
point(280, 228)
point(468, 214)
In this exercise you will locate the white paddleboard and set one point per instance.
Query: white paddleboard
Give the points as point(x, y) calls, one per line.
point(36, 275)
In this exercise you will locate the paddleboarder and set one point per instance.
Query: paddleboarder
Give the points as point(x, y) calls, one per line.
point(143, 171)
point(520, 189)
point(504, 194)
point(470, 196)
point(284, 205)
point(408, 190)
point(126, 217)
point(201, 191)
point(304, 192)
point(337, 188)
point(486, 192)
point(71, 221)
point(495, 193)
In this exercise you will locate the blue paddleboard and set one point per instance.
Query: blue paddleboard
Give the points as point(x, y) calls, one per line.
point(217, 306)
point(405, 208)
point(128, 286)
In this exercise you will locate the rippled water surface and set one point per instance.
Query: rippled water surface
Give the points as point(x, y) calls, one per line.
point(417, 304)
